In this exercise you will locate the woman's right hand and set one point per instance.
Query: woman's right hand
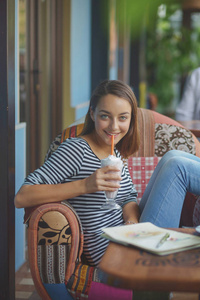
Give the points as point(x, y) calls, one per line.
point(103, 179)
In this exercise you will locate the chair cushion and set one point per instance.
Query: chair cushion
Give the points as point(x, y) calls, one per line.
point(177, 132)
point(99, 291)
point(85, 284)
point(168, 137)
point(72, 131)
point(141, 169)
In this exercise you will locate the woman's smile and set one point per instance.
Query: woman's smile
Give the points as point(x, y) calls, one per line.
point(112, 116)
point(111, 134)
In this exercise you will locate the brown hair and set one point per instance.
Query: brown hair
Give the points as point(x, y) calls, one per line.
point(129, 144)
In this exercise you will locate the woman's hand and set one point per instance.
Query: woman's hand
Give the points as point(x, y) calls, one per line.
point(131, 213)
point(104, 179)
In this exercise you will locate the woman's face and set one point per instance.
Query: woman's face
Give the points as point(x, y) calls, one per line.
point(112, 116)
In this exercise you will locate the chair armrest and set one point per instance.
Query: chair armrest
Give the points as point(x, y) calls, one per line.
point(55, 244)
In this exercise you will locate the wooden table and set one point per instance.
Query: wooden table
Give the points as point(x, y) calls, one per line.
point(132, 268)
point(193, 126)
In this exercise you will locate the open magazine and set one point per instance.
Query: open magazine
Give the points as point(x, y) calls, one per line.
point(152, 238)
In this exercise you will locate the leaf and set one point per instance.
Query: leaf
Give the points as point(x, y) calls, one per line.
point(42, 242)
point(55, 243)
point(68, 231)
point(43, 224)
point(50, 234)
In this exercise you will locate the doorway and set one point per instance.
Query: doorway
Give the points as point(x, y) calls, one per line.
point(41, 61)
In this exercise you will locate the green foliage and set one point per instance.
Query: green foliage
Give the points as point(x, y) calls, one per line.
point(172, 51)
point(137, 12)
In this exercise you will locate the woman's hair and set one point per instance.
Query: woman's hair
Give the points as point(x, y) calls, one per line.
point(129, 144)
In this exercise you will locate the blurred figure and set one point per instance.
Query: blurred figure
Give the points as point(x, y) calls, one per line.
point(189, 106)
point(152, 101)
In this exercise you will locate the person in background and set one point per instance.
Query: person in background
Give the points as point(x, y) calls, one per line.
point(189, 106)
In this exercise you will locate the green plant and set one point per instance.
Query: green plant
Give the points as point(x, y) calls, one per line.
point(172, 51)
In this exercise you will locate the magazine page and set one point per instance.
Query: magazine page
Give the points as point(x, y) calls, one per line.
point(152, 238)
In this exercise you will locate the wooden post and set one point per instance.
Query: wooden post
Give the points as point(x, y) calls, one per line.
point(100, 42)
point(193, 5)
point(7, 150)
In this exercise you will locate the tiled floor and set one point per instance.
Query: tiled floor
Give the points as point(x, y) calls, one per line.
point(25, 288)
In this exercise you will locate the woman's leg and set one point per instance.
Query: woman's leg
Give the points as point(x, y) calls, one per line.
point(166, 157)
point(176, 173)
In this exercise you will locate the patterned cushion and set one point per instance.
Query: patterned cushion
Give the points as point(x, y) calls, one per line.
point(52, 262)
point(85, 283)
point(54, 246)
point(169, 137)
point(53, 229)
point(141, 169)
point(53, 146)
point(80, 282)
point(72, 131)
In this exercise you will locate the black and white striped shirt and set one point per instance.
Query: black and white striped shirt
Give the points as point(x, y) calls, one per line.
point(74, 160)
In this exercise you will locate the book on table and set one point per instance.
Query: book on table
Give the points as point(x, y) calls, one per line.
point(151, 238)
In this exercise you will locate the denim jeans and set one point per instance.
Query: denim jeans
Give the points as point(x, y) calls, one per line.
point(162, 202)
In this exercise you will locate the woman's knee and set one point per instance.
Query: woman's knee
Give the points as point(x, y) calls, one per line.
point(169, 155)
point(176, 163)
point(173, 153)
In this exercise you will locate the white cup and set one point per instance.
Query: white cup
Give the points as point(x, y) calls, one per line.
point(112, 160)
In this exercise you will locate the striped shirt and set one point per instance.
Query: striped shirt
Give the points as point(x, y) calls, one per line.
point(74, 160)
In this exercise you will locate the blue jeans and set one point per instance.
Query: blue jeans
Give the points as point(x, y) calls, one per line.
point(177, 172)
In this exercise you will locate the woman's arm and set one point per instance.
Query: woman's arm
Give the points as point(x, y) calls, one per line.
point(131, 213)
point(32, 195)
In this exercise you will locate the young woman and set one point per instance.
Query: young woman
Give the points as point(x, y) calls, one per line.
point(73, 173)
